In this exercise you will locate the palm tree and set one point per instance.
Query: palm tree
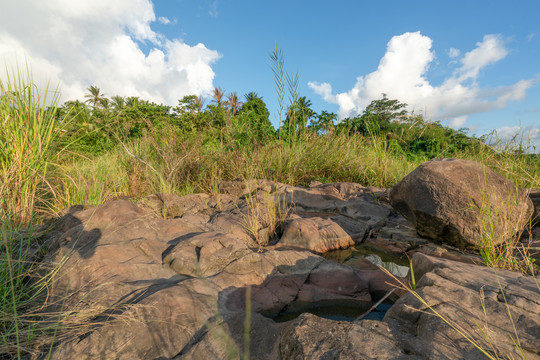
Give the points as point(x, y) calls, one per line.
point(94, 96)
point(250, 96)
point(105, 103)
point(133, 101)
point(118, 102)
point(218, 95)
point(199, 103)
point(233, 102)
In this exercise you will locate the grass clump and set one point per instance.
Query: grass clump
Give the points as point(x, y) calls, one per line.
point(27, 135)
point(28, 130)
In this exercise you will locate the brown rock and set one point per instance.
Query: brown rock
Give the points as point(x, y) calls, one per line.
point(455, 201)
point(312, 337)
point(477, 299)
point(535, 198)
point(317, 234)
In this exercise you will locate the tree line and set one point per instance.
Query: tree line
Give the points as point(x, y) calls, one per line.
point(98, 123)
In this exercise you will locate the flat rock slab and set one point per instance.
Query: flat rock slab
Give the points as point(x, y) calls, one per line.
point(502, 304)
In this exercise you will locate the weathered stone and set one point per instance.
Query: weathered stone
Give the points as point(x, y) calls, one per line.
point(535, 198)
point(312, 337)
point(476, 299)
point(317, 234)
point(456, 201)
point(171, 206)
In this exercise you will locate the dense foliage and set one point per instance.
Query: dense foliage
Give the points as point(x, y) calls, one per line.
point(101, 123)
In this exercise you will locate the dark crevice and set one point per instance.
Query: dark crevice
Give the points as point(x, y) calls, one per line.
point(198, 252)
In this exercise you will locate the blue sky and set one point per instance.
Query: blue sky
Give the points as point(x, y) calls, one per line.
point(471, 64)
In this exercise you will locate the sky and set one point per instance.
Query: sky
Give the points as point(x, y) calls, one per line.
point(468, 64)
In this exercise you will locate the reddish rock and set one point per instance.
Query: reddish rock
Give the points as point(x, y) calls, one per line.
point(455, 201)
point(317, 234)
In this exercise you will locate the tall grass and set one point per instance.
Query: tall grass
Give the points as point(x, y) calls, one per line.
point(27, 133)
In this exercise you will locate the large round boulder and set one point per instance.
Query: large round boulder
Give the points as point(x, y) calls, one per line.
point(461, 202)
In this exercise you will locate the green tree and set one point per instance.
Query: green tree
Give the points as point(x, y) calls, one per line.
point(94, 95)
point(254, 119)
point(386, 110)
point(377, 118)
point(324, 122)
point(298, 116)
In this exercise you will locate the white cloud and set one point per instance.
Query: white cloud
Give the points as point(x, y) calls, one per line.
point(453, 53)
point(164, 20)
point(401, 75)
point(458, 122)
point(490, 50)
point(517, 137)
point(526, 132)
point(83, 43)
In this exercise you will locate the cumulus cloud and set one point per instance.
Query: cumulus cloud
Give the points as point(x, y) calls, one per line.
point(401, 74)
point(83, 43)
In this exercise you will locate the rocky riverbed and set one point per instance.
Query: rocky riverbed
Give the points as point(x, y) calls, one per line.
point(269, 268)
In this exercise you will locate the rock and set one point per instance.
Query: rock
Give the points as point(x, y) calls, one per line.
point(535, 198)
point(224, 339)
point(171, 206)
point(317, 234)
point(331, 216)
point(478, 300)
point(455, 201)
point(312, 337)
point(150, 285)
point(459, 292)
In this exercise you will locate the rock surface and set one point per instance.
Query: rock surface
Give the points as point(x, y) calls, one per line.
point(456, 291)
point(173, 277)
point(502, 304)
point(461, 202)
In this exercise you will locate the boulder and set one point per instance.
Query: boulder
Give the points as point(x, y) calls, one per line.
point(461, 202)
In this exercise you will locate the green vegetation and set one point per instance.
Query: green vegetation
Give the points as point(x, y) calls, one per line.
point(54, 156)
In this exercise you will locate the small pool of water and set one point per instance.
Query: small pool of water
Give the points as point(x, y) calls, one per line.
point(340, 313)
point(367, 258)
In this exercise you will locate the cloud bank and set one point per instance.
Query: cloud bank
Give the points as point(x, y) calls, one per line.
point(402, 71)
point(516, 136)
point(100, 42)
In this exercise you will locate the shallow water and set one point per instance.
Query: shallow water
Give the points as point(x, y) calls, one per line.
point(365, 258)
point(356, 257)
point(340, 313)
